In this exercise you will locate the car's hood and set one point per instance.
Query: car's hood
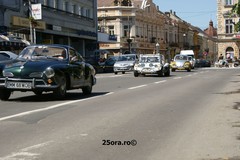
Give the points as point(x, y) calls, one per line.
point(119, 63)
point(23, 68)
point(180, 63)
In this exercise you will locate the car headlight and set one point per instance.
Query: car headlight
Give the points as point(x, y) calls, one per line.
point(49, 72)
point(36, 75)
point(7, 74)
point(187, 64)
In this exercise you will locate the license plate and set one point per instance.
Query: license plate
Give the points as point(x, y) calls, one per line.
point(19, 85)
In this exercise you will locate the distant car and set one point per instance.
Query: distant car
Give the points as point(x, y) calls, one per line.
point(7, 55)
point(125, 63)
point(202, 63)
point(109, 64)
point(100, 67)
point(43, 68)
point(192, 61)
point(152, 64)
point(181, 62)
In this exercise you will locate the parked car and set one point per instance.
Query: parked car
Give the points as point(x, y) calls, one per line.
point(105, 66)
point(43, 68)
point(181, 62)
point(7, 55)
point(192, 61)
point(125, 63)
point(109, 63)
point(202, 63)
point(152, 64)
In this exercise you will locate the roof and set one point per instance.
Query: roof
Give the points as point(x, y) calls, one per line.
point(211, 31)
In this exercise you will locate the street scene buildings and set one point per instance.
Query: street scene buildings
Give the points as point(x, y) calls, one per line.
point(118, 26)
point(228, 37)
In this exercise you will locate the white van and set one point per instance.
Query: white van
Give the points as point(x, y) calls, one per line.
point(190, 54)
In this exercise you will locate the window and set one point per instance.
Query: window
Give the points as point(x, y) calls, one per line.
point(65, 5)
point(111, 30)
point(229, 26)
point(87, 12)
point(79, 10)
point(126, 31)
point(56, 4)
point(228, 2)
point(73, 8)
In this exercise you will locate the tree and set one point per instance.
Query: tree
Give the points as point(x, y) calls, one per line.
point(236, 11)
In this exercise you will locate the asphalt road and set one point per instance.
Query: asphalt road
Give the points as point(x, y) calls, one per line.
point(187, 116)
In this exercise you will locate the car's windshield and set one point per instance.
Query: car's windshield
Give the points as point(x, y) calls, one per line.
point(149, 59)
point(181, 57)
point(43, 52)
point(126, 58)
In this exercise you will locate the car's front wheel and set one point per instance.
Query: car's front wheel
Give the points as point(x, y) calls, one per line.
point(88, 89)
point(5, 94)
point(61, 91)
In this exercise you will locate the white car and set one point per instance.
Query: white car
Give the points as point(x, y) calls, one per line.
point(7, 55)
point(124, 63)
point(152, 64)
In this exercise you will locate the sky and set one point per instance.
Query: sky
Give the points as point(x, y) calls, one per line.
point(196, 12)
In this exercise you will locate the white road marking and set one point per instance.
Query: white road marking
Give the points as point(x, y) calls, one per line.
point(113, 76)
point(26, 153)
point(177, 78)
point(161, 81)
point(50, 107)
point(138, 86)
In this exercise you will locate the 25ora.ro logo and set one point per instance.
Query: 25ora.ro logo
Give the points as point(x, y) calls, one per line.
point(119, 143)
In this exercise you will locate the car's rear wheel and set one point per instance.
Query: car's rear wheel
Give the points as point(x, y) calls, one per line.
point(88, 89)
point(5, 94)
point(115, 72)
point(136, 74)
point(123, 72)
point(173, 70)
point(61, 91)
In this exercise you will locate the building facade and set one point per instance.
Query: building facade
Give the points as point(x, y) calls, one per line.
point(70, 22)
point(138, 26)
point(228, 38)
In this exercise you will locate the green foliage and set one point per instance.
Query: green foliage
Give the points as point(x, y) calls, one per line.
point(236, 9)
point(237, 26)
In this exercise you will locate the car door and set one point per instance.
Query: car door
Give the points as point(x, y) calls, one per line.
point(77, 68)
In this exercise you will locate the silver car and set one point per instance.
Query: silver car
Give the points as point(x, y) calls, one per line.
point(152, 64)
point(125, 63)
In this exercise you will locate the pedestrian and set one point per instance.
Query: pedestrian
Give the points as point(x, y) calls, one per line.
point(220, 57)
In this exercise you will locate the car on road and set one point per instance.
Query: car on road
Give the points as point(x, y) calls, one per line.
point(7, 55)
point(181, 62)
point(202, 63)
point(43, 68)
point(152, 64)
point(125, 63)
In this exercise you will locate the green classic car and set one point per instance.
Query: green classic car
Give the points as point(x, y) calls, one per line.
point(43, 68)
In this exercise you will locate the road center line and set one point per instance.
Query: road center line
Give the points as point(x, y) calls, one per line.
point(161, 81)
point(138, 87)
point(50, 107)
point(177, 78)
